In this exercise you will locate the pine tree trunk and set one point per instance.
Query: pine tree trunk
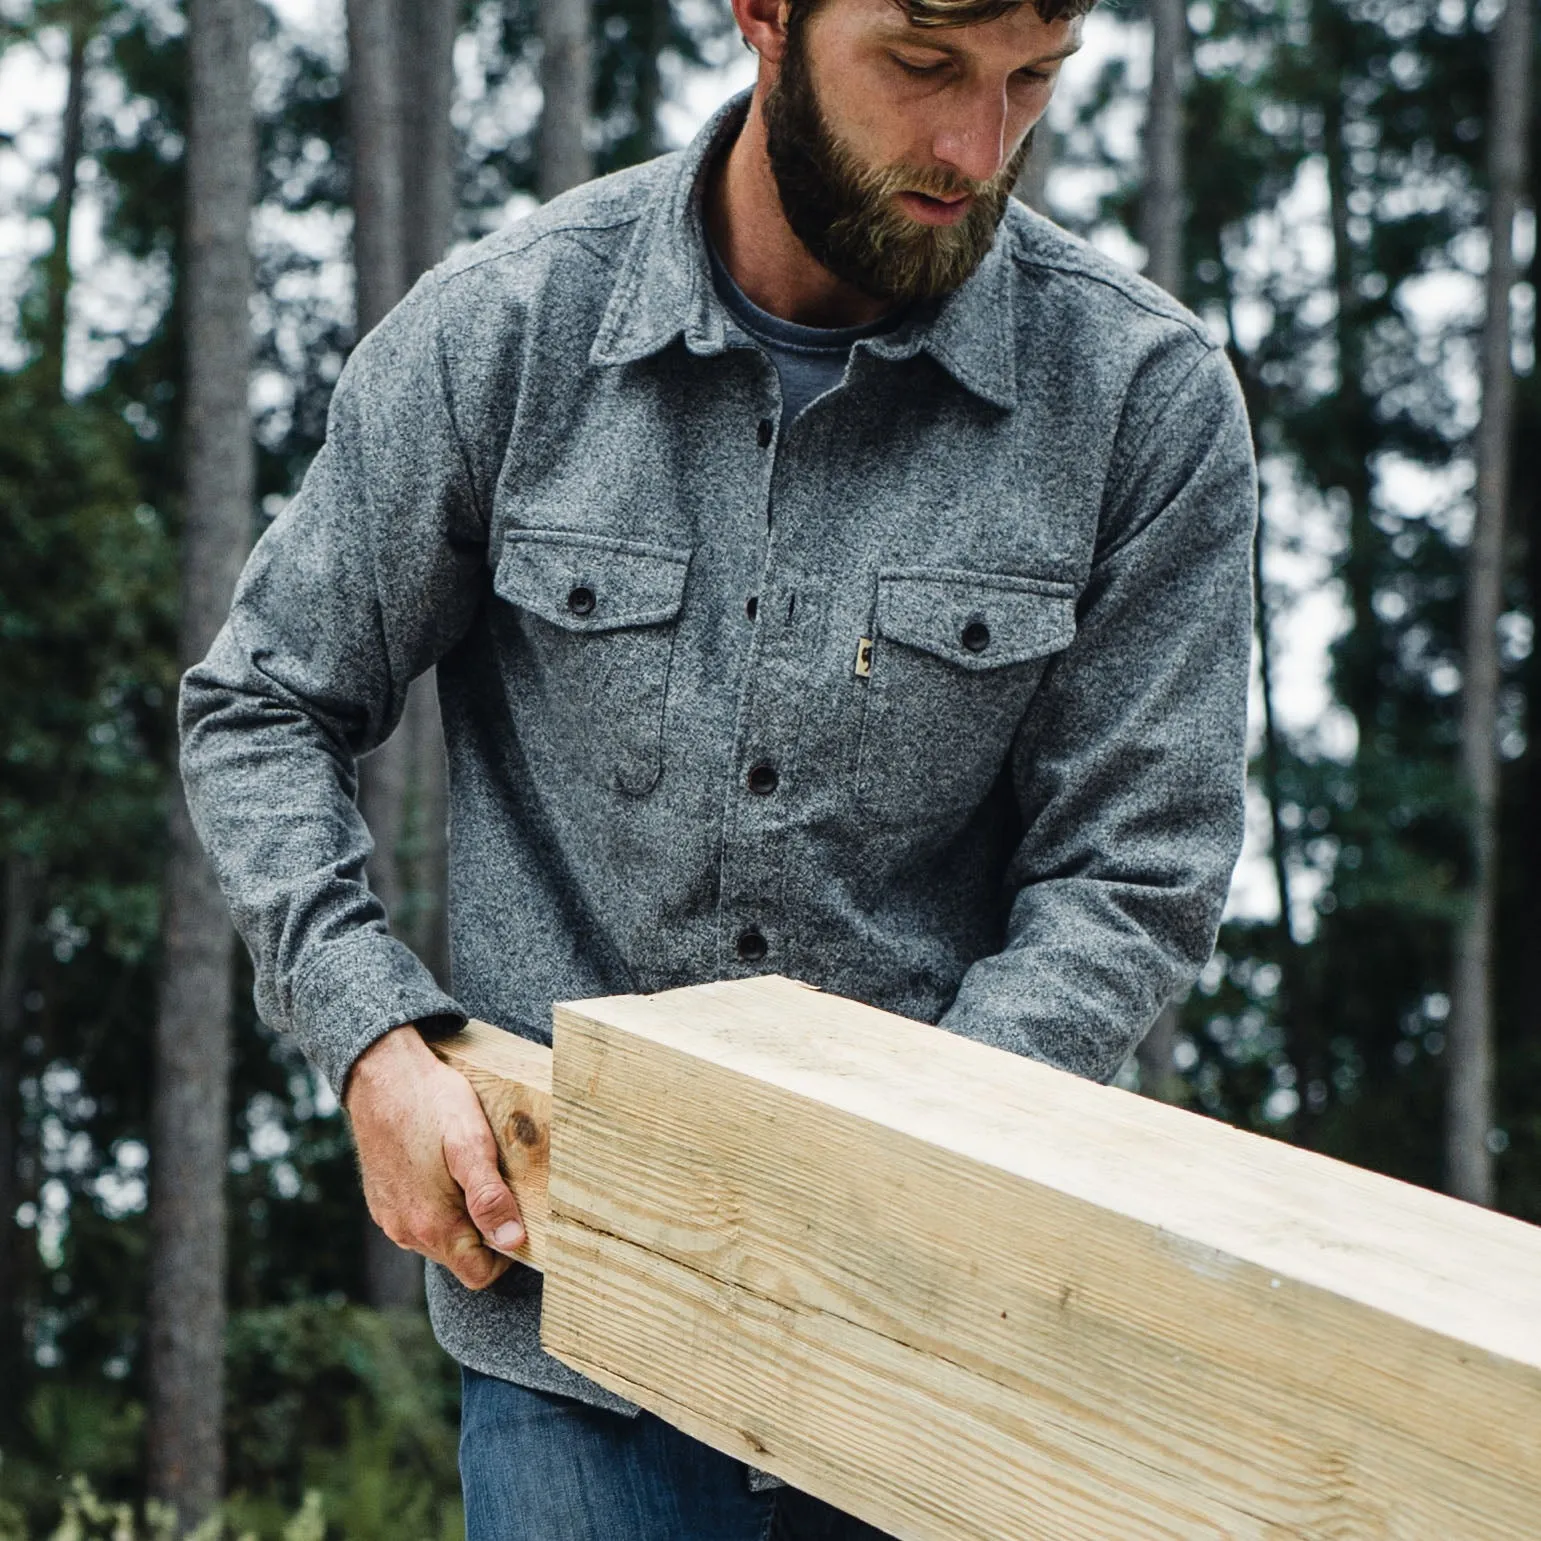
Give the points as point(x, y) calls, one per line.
point(429, 183)
point(56, 320)
point(1163, 198)
point(16, 923)
point(383, 112)
point(1162, 211)
point(566, 88)
point(1470, 1110)
point(428, 149)
point(190, 1112)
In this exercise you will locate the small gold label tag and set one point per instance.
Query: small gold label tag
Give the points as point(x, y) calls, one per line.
point(864, 657)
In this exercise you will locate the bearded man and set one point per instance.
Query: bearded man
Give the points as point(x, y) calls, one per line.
point(831, 568)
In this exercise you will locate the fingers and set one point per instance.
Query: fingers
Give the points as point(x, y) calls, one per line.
point(469, 1260)
point(429, 1164)
point(443, 1235)
point(472, 1158)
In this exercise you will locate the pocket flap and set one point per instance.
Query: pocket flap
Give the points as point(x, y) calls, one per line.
point(975, 620)
point(591, 582)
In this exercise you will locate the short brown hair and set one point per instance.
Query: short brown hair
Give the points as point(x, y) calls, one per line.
point(965, 13)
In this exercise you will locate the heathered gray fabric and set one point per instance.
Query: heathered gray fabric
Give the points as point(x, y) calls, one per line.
point(809, 360)
point(1028, 843)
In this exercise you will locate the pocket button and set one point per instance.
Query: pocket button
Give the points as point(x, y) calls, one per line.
point(581, 600)
point(751, 946)
point(976, 636)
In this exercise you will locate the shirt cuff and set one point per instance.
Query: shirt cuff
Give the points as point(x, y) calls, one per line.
point(353, 991)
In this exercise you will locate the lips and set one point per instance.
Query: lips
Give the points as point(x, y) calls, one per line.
point(931, 210)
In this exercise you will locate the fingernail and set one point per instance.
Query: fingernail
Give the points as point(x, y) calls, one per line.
point(508, 1236)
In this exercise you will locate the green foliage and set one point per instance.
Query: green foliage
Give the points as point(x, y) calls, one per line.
point(341, 1424)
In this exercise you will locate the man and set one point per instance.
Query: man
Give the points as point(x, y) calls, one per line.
point(831, 568)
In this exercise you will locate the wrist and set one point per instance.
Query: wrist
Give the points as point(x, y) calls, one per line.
point(395, 1052)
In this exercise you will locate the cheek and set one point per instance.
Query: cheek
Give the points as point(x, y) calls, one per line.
point(864, 112)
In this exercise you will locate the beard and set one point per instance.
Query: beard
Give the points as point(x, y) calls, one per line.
point(846, 212)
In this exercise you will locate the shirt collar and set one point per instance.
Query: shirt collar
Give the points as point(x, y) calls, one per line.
point(664, 289)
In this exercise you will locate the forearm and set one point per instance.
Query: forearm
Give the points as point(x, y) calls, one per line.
point(270, 789)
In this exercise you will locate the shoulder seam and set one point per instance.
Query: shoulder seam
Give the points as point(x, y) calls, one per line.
point(1210, 349)
point(571, 227)
point(1070, 270)
point(441, 370)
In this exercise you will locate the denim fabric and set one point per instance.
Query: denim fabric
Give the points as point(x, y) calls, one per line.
point(936, 699)
point(539, 1467)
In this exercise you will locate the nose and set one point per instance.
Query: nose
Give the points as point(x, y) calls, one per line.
point(973, 141)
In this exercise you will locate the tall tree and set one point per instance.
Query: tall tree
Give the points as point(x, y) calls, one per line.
point(399, 94)
point(428, 182)
point(80, 23)
point(16, 922)
point(190, 1113)
point(1163, 197)
point(1469, 1108)
point(1162, 212)
point(566, 83)
point(377, 125)
point(20, 876)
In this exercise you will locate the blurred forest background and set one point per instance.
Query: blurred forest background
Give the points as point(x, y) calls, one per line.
point(192, 1303)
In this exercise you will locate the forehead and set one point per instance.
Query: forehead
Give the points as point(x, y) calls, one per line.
point(1018, 30)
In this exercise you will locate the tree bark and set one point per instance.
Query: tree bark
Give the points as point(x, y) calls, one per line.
point(566, 88)
point(190, 1111)
point(375, 125)
point(429, 183)
point(1470, 1110)
point(1163, 199)
point(1162, 211)
point(428, 169)
point(56, 317)
point(16, 923)
point(399, 68)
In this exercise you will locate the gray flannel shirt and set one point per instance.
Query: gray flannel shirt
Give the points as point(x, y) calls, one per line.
point(936, 700)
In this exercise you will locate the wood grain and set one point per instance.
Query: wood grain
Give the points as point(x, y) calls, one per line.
point(965, 1296)
point(512, 1078)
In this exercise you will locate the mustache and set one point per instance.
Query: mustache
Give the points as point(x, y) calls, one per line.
point(933, 182)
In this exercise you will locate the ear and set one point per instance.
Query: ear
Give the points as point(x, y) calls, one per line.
point(764, 26)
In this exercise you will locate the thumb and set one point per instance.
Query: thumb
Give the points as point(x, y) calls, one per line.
point(492, 1207)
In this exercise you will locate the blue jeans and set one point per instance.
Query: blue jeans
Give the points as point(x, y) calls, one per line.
point(536, 1467)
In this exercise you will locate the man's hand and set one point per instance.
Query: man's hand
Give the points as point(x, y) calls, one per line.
point(428, 1159)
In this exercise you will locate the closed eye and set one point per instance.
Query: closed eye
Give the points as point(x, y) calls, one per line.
point(919, 69)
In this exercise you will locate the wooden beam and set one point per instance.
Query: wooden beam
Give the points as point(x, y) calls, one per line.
point(512, 1078)
point(966, 1296)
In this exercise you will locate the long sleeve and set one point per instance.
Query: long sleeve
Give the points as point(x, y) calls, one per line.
point(1129, 767)
point(372, 573)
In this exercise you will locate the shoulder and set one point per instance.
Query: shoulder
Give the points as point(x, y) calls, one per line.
point(1071, 280)
point(595, 219)
point(1101, 339)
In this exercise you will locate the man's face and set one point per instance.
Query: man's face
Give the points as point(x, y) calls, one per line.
point(895, 147)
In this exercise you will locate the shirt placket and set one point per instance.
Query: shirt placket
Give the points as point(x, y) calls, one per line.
point(754, 933)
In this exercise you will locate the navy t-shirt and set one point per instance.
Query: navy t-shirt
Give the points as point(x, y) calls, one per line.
point(809, 359)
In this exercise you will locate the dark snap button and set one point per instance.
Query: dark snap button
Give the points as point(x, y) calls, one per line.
point(752, 606)
point(763, 779)
point(765, 431)
point(976, 636)
point(581, 600)
point(751, 946)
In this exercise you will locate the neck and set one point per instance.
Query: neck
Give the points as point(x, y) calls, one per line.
point(758, 246)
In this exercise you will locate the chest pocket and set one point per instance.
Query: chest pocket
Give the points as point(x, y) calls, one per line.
point(956, 658)
point(597, 621)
